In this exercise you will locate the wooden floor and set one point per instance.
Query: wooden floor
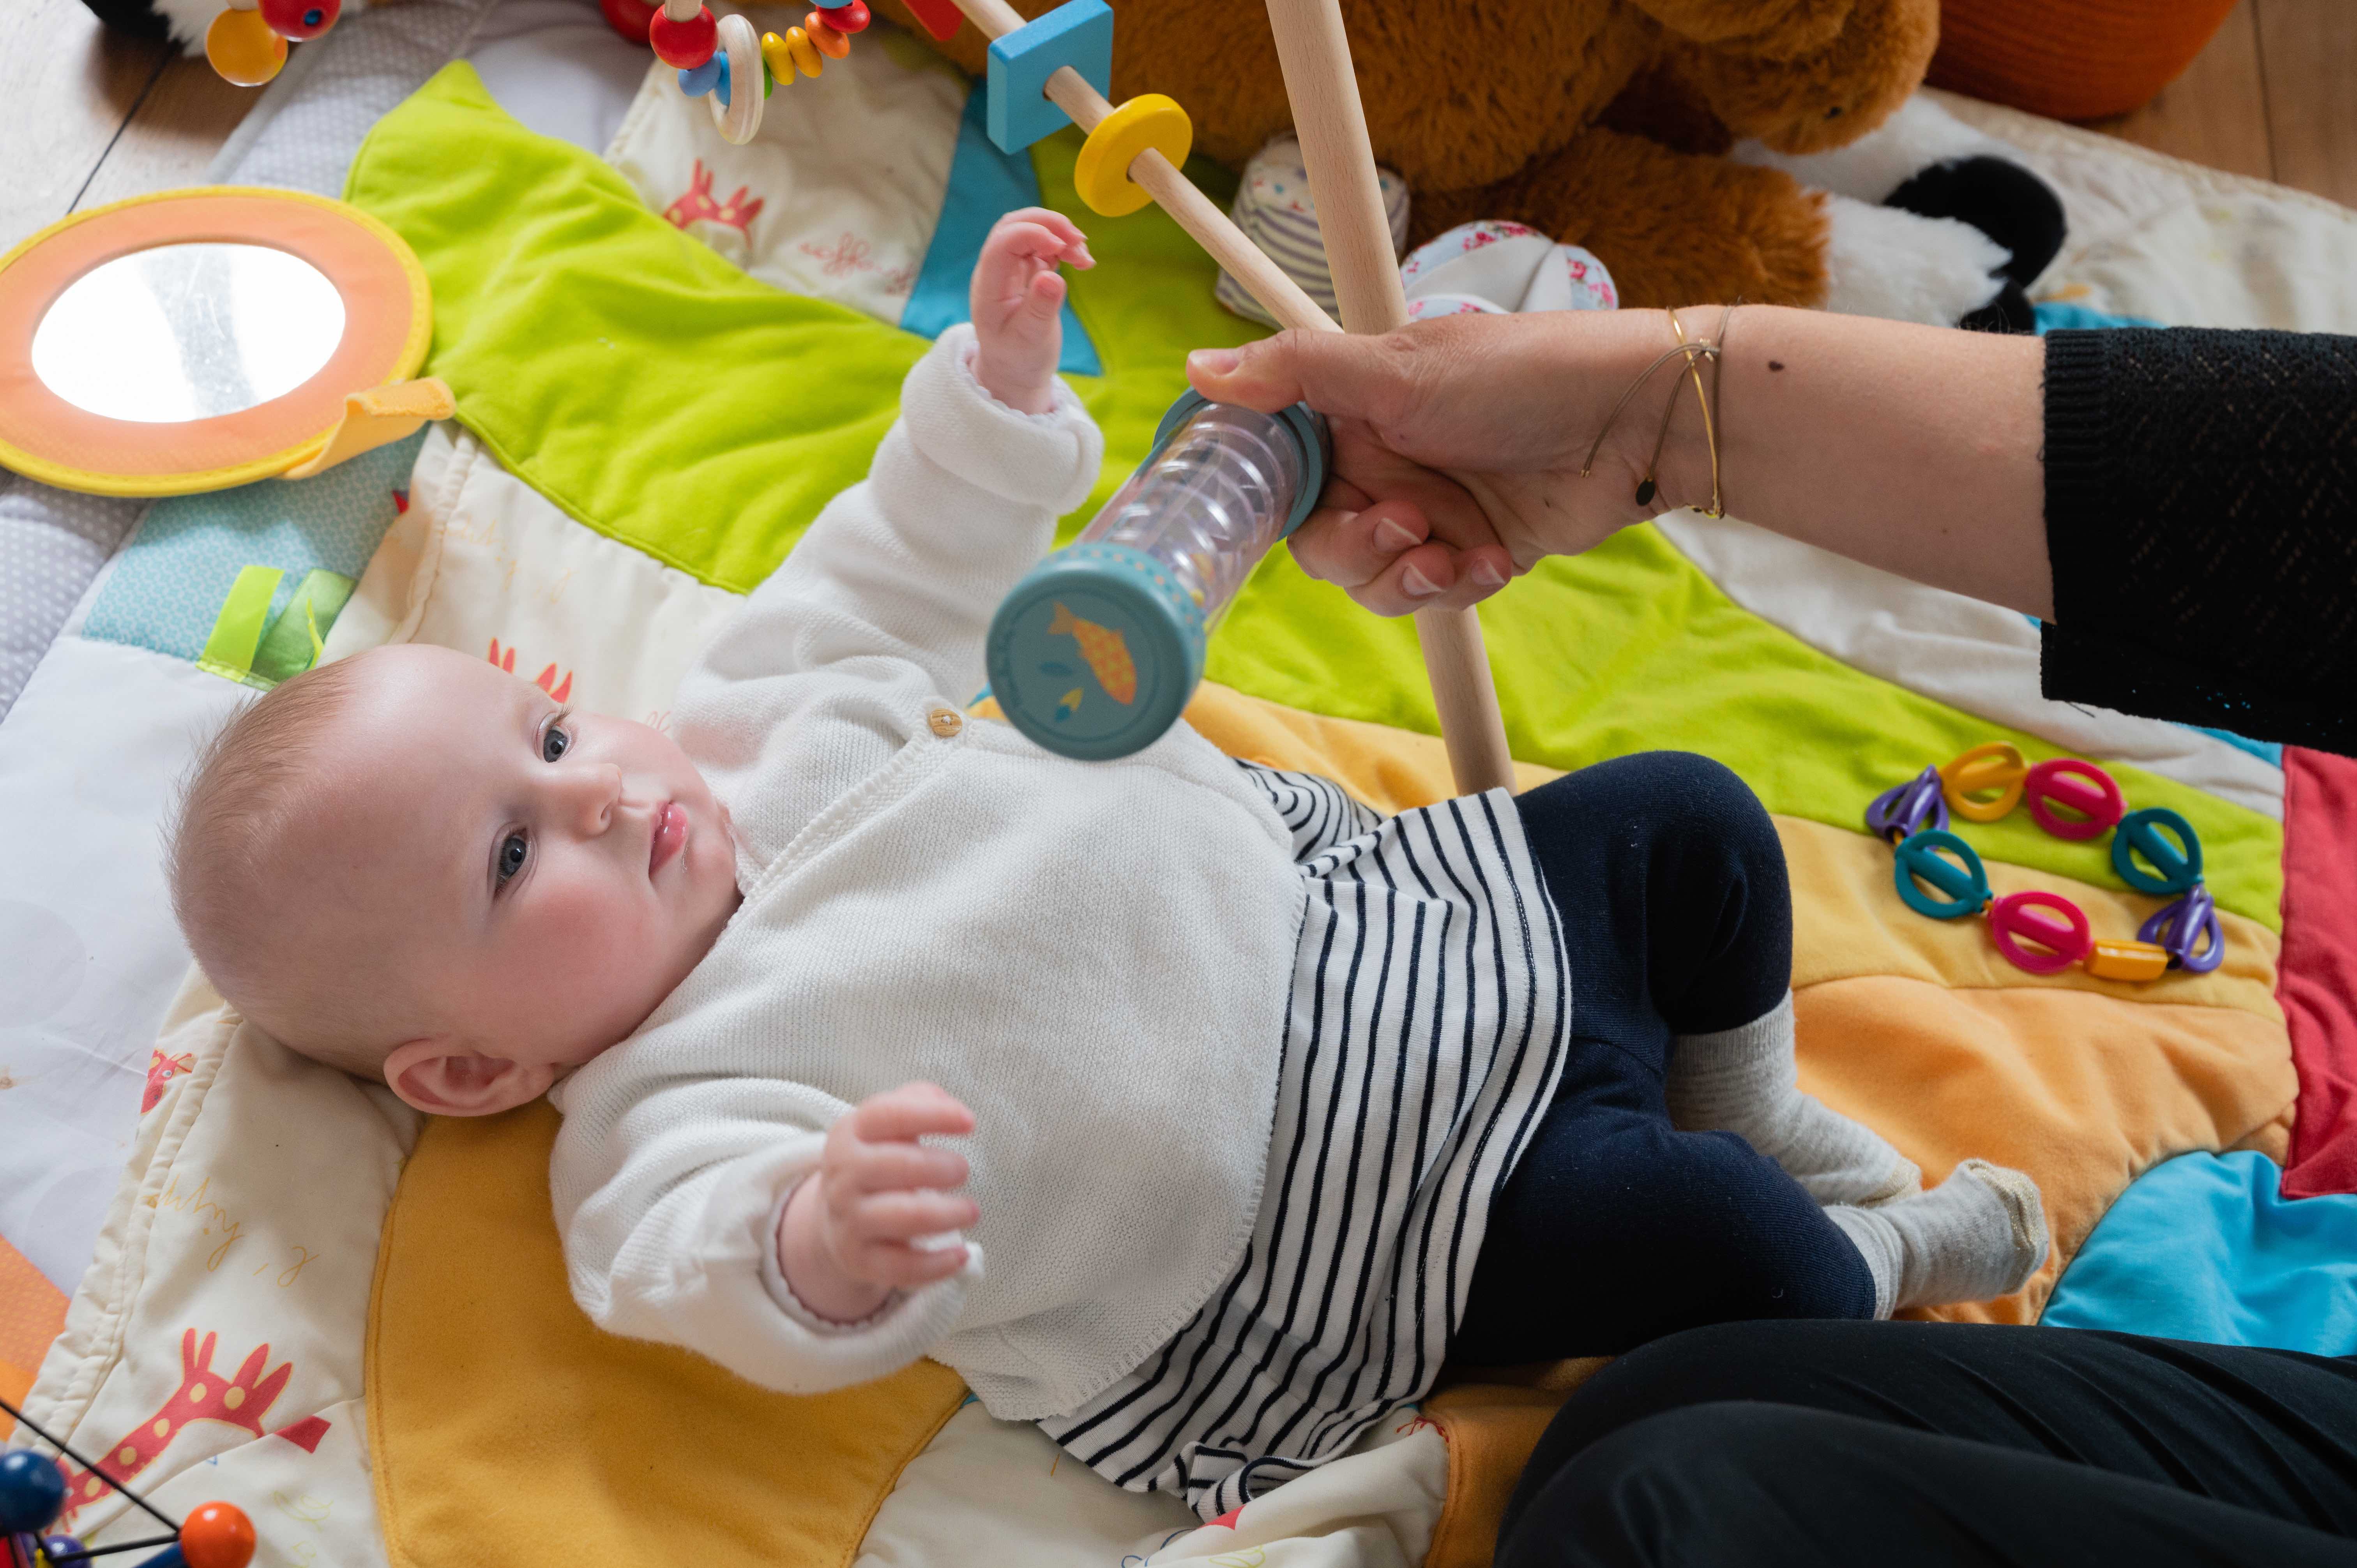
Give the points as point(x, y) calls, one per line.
point(89, 117)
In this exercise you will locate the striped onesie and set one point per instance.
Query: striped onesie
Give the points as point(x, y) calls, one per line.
point(1430, 1006)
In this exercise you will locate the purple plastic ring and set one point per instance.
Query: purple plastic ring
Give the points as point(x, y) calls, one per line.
point(2189, 928)
point(1905, 809)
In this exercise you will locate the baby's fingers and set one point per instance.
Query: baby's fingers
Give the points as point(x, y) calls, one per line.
point(899, 1166)
point(908, 1113)
point(1049, 233)
point(906, 1216)
point(903, 1267)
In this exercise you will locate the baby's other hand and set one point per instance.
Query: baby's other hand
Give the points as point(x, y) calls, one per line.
point(846, 1239)
point(1018, 296)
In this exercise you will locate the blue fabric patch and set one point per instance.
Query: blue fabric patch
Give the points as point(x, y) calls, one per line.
point(167, 588)
point(2268, 751)
point(986, 185)
point(2053, 316)
point(2205, 1247)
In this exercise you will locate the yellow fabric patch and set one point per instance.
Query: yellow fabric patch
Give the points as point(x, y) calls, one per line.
point(503, 1428)
point(2085, 1091)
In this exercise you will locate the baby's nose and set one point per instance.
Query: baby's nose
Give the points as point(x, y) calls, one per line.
point(594, 791)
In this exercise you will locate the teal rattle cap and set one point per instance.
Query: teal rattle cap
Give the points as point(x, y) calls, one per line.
point(1098, 649)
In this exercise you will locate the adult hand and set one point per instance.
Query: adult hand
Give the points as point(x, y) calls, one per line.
point(1458, 445)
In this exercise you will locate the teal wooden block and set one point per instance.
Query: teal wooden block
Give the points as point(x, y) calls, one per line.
point(1079, 34)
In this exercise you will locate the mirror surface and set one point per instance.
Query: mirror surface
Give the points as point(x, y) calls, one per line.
point(182, 332)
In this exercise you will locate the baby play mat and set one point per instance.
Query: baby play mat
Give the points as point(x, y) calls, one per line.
point(665, 360)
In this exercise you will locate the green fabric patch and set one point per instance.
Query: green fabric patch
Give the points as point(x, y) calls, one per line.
point(652, 390)
point(662, 396)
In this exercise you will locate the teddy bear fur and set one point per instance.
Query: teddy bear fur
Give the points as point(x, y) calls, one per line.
point(1600, 121)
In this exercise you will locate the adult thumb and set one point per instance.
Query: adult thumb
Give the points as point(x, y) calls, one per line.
point(1362, 378)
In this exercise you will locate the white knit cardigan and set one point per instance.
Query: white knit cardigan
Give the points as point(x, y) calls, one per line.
point(1092, 956)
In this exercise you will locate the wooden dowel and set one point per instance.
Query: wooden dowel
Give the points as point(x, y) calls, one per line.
point(1315, 53)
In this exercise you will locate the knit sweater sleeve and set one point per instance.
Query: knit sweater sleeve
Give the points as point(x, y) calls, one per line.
point(2201, 524)
point(880, 613)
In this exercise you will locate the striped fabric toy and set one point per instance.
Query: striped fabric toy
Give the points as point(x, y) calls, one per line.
point(1274, 208)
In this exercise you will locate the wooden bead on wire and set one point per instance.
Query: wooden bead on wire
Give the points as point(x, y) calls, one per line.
point(825, 39)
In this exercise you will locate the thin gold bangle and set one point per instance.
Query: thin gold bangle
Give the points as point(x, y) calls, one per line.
point(1650, 485)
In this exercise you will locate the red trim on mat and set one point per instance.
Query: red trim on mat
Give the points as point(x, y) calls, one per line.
point(2317, 980)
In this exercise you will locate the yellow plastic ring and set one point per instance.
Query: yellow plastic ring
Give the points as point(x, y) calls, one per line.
point(1997, 766)
point(1149, 122)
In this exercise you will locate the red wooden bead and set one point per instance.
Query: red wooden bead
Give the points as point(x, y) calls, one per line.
point(851, 18)
point(216, 1535)
point(629, 18)
point(683, 44)
point(299, 19)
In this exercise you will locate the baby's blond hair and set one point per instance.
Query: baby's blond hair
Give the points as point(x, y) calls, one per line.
point(237, 807)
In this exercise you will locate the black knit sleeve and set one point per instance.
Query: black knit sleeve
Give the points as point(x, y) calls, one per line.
point(2202, 522)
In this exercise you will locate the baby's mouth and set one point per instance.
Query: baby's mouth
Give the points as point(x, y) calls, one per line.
point(670, 837)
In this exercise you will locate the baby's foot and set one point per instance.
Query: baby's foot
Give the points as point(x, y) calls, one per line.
point(1743, 1081)
point(1978, 1235)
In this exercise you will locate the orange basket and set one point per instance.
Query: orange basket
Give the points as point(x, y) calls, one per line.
point(2070, 59)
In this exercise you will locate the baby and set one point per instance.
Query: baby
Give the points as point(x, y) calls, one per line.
point(1268, 1104)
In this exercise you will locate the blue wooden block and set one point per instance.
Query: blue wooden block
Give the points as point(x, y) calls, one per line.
point(1079, 34)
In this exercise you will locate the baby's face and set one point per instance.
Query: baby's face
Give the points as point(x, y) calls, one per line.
point(536, 880)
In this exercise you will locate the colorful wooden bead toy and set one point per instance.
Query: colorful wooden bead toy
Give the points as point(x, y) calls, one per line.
point(242, 48)
point(2155, 850)
point(247, 43)
point(300, 20)
point(684, 34)
point(1079, 34)
point(32, 1494)
point(1101, 174)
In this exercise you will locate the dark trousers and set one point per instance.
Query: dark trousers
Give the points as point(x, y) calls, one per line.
point(1614, 1228)
point(1756, 1444)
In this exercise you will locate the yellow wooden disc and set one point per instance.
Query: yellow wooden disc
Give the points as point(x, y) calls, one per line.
point(777, 58)
point(242, 47)
point(1147, 122)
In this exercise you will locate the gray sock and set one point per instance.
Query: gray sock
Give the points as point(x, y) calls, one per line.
point(1978, 1235)
point(1744, 1080)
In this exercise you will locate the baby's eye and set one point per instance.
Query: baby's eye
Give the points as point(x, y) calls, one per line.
point(512, 851)
point(554, 744)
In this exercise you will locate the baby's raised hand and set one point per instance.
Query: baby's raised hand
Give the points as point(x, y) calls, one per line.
point(1018, 296)
point(846, 1239)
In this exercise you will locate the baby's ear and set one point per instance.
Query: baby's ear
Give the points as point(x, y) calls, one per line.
point(445, 1080)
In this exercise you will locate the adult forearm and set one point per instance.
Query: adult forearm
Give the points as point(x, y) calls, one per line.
point(1910, 448)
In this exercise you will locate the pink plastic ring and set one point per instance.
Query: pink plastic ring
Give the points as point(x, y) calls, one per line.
point(2018, 916)
point(2080, 787)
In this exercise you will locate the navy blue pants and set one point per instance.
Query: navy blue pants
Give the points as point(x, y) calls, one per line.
point(1614, 1228)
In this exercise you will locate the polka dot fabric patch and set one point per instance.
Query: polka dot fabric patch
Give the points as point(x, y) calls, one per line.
point(168, 589)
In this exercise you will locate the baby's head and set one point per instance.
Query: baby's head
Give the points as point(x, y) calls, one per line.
point(413, 865)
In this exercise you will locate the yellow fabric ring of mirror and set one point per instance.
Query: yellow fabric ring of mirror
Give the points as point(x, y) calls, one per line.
point(1149, 121)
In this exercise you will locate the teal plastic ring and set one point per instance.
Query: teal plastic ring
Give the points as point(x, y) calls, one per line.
point(2140, 833)
point(1966, 886)
point(1309, 424)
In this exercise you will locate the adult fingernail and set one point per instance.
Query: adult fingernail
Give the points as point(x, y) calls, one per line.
point(1417, 585)
point(1487, 576)
point(1393, 536)
point(1213, 361)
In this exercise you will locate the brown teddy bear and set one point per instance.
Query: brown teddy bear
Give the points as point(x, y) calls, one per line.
point(1602, 122)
